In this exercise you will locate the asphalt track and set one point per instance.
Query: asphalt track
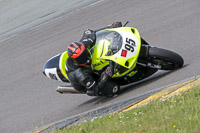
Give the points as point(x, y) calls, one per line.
point(29, 100)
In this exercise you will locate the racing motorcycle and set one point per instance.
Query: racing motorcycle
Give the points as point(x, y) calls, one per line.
point(133, 58)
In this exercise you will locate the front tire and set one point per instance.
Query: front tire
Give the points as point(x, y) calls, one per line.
point(111, 89)
point(168, 60)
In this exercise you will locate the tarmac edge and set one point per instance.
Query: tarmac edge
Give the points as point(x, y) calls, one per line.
point(165, 93)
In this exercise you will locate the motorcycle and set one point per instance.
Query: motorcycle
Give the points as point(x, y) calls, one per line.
point(132, 57)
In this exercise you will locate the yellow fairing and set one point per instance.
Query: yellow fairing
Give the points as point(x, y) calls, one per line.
point(101, 59)
point(62, 62)
point(100, 49)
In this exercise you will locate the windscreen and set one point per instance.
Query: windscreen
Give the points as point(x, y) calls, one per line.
point(113, 37)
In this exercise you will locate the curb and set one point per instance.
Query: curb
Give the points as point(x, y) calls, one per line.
point(143, 99)
point(167, 92)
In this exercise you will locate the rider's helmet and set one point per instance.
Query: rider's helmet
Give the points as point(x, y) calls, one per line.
point(80, 54)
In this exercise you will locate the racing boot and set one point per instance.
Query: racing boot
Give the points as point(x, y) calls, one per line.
point(92, 90)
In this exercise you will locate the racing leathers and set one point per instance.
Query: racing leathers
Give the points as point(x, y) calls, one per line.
point(82, 78)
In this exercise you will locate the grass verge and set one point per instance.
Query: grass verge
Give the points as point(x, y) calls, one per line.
point(180, 113)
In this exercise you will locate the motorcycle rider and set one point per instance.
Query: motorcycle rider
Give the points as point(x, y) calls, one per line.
point(79, 69)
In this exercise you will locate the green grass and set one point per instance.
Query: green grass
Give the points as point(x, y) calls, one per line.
point(179, 114)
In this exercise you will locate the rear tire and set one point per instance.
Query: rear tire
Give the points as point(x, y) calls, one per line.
point(167, 59)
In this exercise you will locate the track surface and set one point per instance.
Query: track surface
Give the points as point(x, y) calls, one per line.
point(29, 100)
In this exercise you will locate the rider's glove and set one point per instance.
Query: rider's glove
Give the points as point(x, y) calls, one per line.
point(89, 38)
point(90, 34)
point(117, 24)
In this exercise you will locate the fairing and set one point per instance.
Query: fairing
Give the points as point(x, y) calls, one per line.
point(55, 68)
point(120, 45)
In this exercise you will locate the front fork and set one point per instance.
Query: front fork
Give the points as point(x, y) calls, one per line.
point(144, 59)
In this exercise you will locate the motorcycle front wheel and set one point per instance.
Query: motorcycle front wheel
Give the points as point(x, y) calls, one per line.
point(111, 89)
point(168, 60)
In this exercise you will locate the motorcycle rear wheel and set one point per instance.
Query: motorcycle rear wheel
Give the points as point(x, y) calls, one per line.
point(168, 60)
